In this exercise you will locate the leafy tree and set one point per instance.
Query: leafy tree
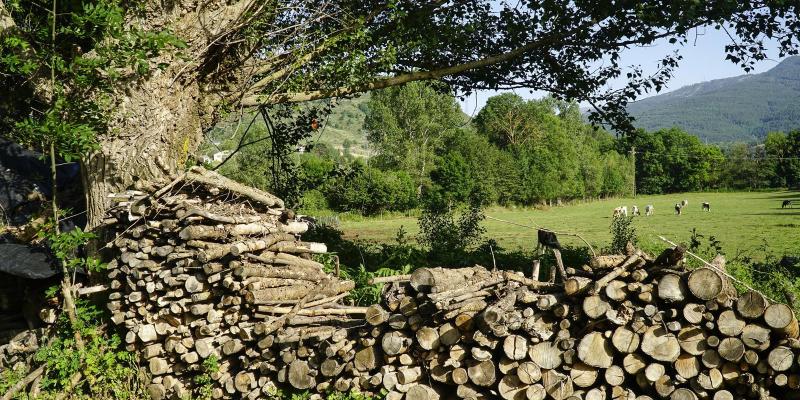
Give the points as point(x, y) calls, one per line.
point(408, 126)
point(789, 166)
point(672, 160)
point(130, 87)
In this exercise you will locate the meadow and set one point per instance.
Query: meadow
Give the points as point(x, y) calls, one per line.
point(746, 223)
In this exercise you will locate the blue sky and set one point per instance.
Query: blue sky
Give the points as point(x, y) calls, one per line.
point(703, 60)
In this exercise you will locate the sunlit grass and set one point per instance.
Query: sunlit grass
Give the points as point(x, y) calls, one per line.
point(744, 222)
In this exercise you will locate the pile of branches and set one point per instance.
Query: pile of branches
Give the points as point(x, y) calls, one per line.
point(625, 327)
point(208, 268)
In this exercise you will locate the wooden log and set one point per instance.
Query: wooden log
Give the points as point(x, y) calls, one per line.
point(664, 386)
point(617, 290)
point(693, 340)
point(671, 288)
point(683, 394)
point(515, 347)
point(582, 375)
point(606, 261)
point(693, 313)
point(421, 392)
point(263, 296)
point(546, 355)
point(407, 375)
point(253, 245)
point(459, 376)
point(437, 280)
point(710, 379)
point(781, 358)
point(706, 283)
point(595, 350)
point(731, 349)
point(711, 359)
point(614, 274)
point(557, 385)
point(625, 340)
point(660, 344)
point(449, 334)
point(576, 284)
point(751, 305)
point(595, 307)
point(529, 373)
point(482, 373)
point(291, 246)
point(723, 395)
point(654, 372)
point(596, 394)
point(756, 337)
point(614, 375)
point(511, 388)
point(366, 359)
point(299, 375)
point(395, 343)
point(286, 260)
point(633, 363)
point(428, 338)
point(535, 392)
point(729, 324)
point(781, 319)
point(687, 366)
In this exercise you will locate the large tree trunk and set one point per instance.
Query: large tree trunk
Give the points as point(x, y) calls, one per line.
point(156, 123)
point(153, 131)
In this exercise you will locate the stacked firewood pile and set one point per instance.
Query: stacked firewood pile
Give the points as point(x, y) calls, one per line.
point(626, 327)
point(207, 268)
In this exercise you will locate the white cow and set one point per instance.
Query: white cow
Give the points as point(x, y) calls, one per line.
point(620, 211)
point(648, 210)
point(684, 203)
point(635, 210)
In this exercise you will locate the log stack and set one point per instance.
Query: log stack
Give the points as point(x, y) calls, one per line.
point(629, 327)
point(204, 267)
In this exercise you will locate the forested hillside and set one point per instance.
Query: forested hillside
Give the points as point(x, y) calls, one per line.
point(742, 108)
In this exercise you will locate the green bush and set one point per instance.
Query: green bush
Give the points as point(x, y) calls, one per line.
point(313, 200)
point(622, 232)
point(371, 191)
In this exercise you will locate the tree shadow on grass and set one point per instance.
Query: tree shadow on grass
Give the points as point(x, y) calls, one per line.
point(778, 211)
point(405, 254)
point(790, 195)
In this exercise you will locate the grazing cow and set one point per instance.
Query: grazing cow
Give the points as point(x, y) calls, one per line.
point(786, 203)
point(635, 210)
point(706, 206)
point(648, 210)
point(678, 208)
point(684, 203)
point(621, 211)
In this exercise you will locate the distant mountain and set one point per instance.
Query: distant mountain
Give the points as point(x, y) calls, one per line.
point(742, 108)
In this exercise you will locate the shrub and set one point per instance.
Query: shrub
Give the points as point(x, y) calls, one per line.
point(448, 230)
point(622, 232)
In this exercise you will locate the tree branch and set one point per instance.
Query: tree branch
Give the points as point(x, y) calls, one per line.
point(39, 81)
point(396, 80)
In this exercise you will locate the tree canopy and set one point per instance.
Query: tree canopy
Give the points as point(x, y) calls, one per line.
point(131, 86)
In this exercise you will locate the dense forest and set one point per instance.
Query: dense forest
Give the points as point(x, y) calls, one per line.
point(417, 144)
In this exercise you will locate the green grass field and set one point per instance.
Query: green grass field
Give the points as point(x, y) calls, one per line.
point(742, 221)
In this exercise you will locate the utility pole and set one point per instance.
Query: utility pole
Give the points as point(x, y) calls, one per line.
point(633, 157)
